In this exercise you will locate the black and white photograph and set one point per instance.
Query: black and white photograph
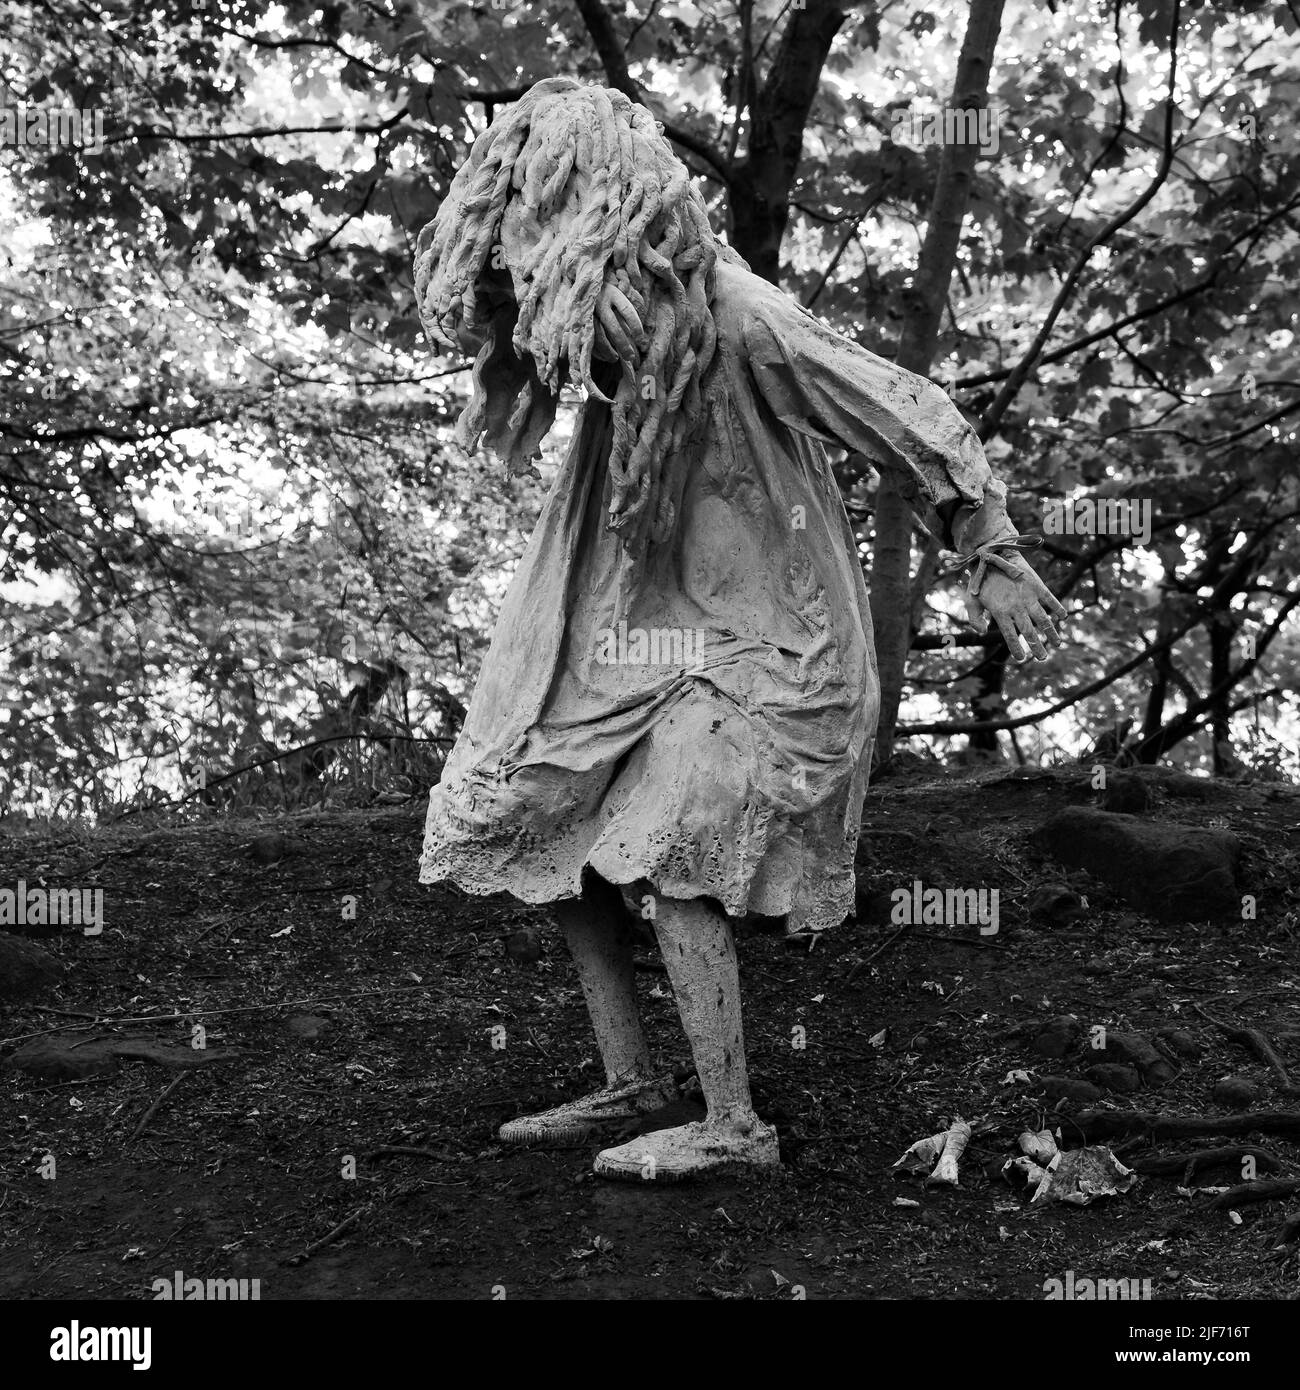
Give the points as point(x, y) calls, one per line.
point(648, 653)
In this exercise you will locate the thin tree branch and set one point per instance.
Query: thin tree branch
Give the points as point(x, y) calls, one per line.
point(993, 416)
point(609, 50)
point(208, 137)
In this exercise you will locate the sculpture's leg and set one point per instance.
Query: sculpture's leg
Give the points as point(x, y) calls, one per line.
point(699, 951)
point(596, 932)
point(700, 955)
point(601, 946)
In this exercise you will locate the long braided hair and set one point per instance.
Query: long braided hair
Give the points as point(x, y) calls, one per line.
point(623, 261)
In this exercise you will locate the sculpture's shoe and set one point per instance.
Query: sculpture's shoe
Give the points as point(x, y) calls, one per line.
point(581, 1119)
point(671, 1155)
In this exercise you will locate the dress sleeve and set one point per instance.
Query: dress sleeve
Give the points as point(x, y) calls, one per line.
point(822, 385)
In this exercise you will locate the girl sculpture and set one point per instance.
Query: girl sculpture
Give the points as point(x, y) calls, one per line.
point(678, 705)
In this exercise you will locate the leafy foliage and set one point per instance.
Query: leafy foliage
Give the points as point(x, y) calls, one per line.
point(227, 496)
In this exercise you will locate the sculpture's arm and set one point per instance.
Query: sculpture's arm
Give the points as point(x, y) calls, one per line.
point(826, 387)
point(818, 383)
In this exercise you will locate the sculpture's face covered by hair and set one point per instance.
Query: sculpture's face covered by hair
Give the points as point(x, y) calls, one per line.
point(573, 232)
point(505, 281)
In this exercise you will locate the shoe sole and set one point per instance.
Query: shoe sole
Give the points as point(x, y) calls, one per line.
point(527, 1134)
point(521, 1136)
point(722, 1168)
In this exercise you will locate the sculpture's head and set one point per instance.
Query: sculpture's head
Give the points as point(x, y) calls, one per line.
point(573, 232)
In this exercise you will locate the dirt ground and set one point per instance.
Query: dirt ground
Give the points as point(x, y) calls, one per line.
point(349, 1037)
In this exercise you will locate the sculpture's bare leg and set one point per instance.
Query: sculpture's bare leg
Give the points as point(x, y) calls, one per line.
point(700, 955)
point(699, 951)
point(595, 929)
point(601, 946)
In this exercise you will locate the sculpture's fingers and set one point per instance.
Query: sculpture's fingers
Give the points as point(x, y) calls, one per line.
point(1010, 636)
point(1048, 599)
point(1029, 632)
point(1044, 625)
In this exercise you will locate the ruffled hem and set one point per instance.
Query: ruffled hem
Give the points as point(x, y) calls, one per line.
point(480, 872)
point(681, 811)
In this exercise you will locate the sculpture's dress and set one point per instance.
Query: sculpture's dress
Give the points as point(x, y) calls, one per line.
point(733, 767)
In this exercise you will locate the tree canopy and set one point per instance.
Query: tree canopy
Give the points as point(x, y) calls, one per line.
point(232, 522)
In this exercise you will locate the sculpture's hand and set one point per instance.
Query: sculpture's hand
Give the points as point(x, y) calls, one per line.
point(1022, 607)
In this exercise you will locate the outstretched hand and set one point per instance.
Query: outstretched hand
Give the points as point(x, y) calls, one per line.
point(1022, 607)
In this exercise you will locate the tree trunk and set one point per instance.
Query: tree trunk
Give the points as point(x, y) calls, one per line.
point(1162, 667)
point(892, 562)
point(760, 186)
point(989, 701)
point(1155, 707)
point(1221, 630)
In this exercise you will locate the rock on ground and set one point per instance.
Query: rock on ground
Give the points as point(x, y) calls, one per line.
point(1057, 1088)
point(1058, 1036)
point(26, 970)
point(524, 946)
point(66, 1057)
point(1115, 1076)
point(1170, 871)
point(1237, 1092)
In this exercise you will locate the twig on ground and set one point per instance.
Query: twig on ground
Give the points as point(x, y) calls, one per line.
point(1188, 1164)
point(216, 926)
point(1107, 1124)
point(750, 969)
point(188, 1222)
point(848, 1051)
point(1254, 994)
point(1264, 1191)
point(411, 1151)
point(880, 950)
point(345, 1225)
point(212, 1013)
point(1255, 1041)
point(982, 943)
point(153, 1109)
